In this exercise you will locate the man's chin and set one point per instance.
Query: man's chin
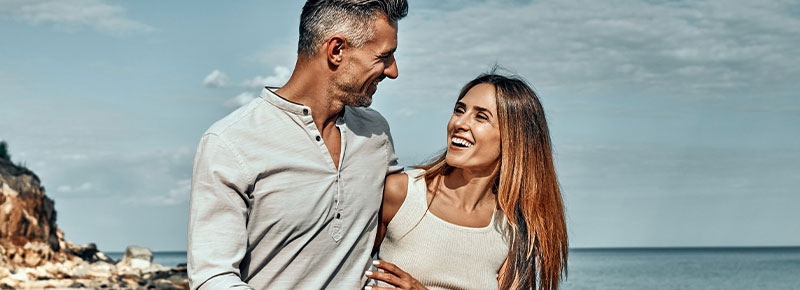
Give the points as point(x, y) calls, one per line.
point(366, 102)
point(359, 101)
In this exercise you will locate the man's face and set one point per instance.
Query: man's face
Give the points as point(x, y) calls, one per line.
point(364, 67)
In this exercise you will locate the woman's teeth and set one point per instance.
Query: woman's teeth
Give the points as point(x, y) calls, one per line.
point(461, 142)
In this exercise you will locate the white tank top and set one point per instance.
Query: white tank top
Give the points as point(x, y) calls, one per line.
point(439, 254)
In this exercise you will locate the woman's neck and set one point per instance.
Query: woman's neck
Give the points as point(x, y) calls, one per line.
point(468, 190)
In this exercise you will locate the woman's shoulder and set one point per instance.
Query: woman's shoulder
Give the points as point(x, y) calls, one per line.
point(394, 194)
point(396, 187)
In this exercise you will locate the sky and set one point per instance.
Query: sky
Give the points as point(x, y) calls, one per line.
point(674, 123)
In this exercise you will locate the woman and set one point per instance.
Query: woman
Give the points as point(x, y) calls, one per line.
point(488, 213)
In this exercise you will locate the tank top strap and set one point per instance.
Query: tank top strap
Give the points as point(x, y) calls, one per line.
point(417, 188)
point(413, 208)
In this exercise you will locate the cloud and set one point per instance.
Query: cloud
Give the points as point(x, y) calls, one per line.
point(663, 171)
point(240, 100)
point(86, 186)
point(281, 52)
point(692, 49)
point(278, 78)
point(216, 79)
point(179, 194)
point(67, 14)
point(123, 177)
point(74, 156)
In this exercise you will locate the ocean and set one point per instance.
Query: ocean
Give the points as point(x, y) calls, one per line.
point(658, 269)
point(170, 259)
point(684, 268)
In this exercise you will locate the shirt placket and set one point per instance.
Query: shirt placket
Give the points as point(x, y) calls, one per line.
point(335, 229)
point(338, 205)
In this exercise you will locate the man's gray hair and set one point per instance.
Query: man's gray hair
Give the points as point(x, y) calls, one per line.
point(350, 18)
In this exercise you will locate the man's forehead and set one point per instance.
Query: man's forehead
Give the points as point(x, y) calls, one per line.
point(385, 34)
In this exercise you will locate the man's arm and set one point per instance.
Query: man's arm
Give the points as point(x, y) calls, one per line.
point(218, 209)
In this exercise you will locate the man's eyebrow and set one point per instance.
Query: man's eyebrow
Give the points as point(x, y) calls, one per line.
point(391, 51)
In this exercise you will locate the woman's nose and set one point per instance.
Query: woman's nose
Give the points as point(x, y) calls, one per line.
point(461, 122)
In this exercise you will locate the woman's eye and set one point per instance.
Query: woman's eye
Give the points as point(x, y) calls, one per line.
point(483, 117)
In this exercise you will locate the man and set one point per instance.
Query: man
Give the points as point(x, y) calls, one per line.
point(286, 189)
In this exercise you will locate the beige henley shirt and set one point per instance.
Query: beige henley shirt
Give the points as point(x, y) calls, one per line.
point(268, 208)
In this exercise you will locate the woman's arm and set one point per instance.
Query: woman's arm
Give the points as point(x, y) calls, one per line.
point(394, 193)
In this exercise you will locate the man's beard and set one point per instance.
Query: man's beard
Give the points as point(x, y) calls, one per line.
point(352, 95)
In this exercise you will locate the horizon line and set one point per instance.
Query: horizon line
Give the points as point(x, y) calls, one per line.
point(601, 248)
point(687, 247)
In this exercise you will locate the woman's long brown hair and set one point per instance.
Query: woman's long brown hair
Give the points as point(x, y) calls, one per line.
point(526, 185)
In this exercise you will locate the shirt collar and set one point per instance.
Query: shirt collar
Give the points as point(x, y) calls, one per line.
point(269, 95)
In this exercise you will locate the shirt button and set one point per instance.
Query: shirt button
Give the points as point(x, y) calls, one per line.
point(305, 112)
point(338, 215)
point(318, 138)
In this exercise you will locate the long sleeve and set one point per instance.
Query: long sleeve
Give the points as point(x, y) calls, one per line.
point(218, 210)
point(391, 158)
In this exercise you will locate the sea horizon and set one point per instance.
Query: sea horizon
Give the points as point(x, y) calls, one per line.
point(684, 248)
point(655, 268)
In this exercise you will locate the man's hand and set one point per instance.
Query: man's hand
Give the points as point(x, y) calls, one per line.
point(393, 275)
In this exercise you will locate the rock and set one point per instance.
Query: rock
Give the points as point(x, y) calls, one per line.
point(101, 270)
point(163, 284)
point(19, 276)
point(26, 213)
point(89, 253)
point(81, 270)
point(76, 285)
point(37, 252)
point(137, 257)
point(28, 231)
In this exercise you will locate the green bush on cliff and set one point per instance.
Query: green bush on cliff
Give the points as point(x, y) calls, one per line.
point(4, 150)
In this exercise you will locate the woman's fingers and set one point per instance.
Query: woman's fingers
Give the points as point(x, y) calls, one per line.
point(386, 277)
point(393, 275)
point(391, 268)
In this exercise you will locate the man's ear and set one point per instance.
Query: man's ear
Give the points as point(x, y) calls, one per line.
point(334, 48)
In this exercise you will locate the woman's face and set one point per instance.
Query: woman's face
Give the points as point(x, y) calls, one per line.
point(473, 132)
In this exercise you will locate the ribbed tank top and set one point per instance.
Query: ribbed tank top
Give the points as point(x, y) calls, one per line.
point(439, 254)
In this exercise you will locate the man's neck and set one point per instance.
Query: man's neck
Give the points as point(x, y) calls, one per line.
point(312, 88)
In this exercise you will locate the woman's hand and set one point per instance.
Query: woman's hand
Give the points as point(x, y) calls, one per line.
point(392, 275)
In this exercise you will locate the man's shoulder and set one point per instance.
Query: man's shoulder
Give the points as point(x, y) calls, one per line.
point(365, 116)
point(239, 119)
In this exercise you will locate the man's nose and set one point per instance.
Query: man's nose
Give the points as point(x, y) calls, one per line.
point(391, 70)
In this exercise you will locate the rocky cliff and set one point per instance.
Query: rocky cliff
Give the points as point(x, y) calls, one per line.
point(28, 232)
point(35, 255)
